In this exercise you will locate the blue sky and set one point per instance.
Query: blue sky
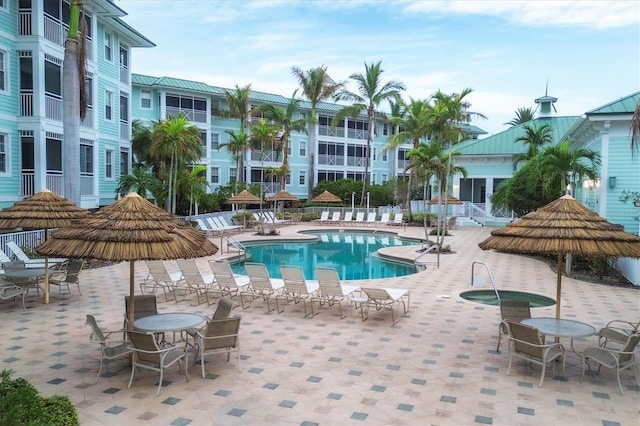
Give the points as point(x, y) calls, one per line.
point(588, 52)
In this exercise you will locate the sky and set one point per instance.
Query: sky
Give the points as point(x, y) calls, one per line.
point(585, 53)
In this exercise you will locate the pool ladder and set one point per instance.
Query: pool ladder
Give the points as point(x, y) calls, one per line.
point(232, 242)
point(478, 280)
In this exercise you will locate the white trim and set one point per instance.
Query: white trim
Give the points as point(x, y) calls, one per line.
point(107, 177)
point(104, 115)
point(6, 58)
point(7, 152)
point(108, 35)
point(142, 97)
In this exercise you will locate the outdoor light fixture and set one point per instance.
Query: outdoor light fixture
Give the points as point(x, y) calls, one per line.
point(612, 182)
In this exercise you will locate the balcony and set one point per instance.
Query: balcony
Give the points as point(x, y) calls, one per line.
point(53, 106)
point(356, 161)
point(55, 182)
point(269, 156)
point(124, 74)
point(125, 133)
point(26, 103)
point(88, 119)
point(357, 134)
point(27, 183)
point(86, 185)
point(328, 131)
point(330, 160)
point(57, 33)
point(25, 28)
point(192, 115)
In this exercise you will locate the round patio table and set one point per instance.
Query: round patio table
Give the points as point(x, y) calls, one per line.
point(168, 322)
point(558, 327)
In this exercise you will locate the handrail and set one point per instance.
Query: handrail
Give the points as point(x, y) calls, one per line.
point(430, 249)
point(476, 280)
point(237, 245)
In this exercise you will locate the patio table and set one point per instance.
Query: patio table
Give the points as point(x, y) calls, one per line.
point(561, 328)
point(161, 323)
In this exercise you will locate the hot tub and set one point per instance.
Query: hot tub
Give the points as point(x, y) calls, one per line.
point(488, 297)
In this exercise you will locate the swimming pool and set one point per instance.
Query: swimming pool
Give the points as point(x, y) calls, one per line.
point(351, 253)
point(488, 297)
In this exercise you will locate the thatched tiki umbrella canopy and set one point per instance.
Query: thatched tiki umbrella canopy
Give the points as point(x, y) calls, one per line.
point(130, 229)
point(564, 226)
point(244, 198)
point(326, 197)
point(44, 210)
point(450, 199)
point(283, 196)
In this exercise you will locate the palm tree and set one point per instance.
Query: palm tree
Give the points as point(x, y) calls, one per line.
point(316, 86)
point(180, 142)
point(559, 162)
point(523, 115)
point(141, 180)
point(72, 71)
point(140, 142)
point(413, 123)
point(237, 145)
point(635, 129)
point(239, 103)
point(285, 118)
point(191, 183)
point(371, 92)
point(263, 134)
point(535, 138)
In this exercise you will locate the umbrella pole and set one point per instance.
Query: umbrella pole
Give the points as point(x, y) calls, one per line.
point(131, 294)
point(559, 284)
point(46, 280)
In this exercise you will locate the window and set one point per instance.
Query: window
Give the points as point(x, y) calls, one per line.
point(233, 174)
point(53, 77)
point(302, 178)
point(215, 141)
point(215, 108)
point(54, 152)
point(124, 108)
point(215, 175)
point(145, 99)
point(303, 149)
point(86, 160)
point(288, 181)
point(195, 109)
point(108, 164)
point(124, 162)
point(108, 49)
point(3, 154)
point(3, 70)
point(384, 179)
point(108, 105)
point(303, 115)
point(385, 130)
point(289, 150)
point(384, 155)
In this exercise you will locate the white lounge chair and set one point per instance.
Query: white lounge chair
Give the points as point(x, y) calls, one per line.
point(229, 283)
point(384, 219)
point(381, 298)
point(371, 218)
point(335, 217)
point(261, 285)
point(21, 255)
point(297, 289)
point(397, 220)
point(205, 227)
point(227, 225)
point(359, 218)
point(324, 217)
point(348, 218)
point(331, 290)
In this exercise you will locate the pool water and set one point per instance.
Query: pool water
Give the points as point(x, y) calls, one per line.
point(488, 297)
point(350, 253)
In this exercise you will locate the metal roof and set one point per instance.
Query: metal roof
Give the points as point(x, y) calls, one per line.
point(504, 143)
point(624, 105)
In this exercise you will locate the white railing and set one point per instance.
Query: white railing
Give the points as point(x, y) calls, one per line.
point(27, 183)
point(24, 239)
point(358, 134)
point(88, 119)
point(331, 160)
point(25, 27)
point(124, 74)
point(55, 182)
point(328, 131)
point(86, 185)
point(52, 107)
point(53, 31)
point(356, 161)
point(26, 104)
point(192, 115)
point(476, 212)
point(125, 133)
point(269, 156)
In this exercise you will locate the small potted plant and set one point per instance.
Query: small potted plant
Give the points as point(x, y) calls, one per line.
point(630, 196)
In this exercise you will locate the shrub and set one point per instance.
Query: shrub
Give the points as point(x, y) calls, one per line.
point(309, 216)
point(20, 404)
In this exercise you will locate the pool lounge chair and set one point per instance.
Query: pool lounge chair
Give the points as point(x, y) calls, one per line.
point(381, 298)
point(397, 220)
point(335, 218)
point(160, 277)
point(229, 283)
point(371, 218)
point(331, 290)
point(195, 281)
point(324, 217)
point(359, 218)
point(348, 218)
point(261, 285)
point(384, 219)
point(297, 289)
point(22, 256)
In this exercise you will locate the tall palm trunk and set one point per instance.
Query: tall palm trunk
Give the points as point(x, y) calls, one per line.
point(71, 109)
point(365, 180)
point(312, 154)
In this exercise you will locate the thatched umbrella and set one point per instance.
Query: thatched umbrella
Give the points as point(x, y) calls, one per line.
point(564, 226)
point(244, 198)
point(283, 196)
point(130, 229)
point(44, 210)
point(326, 197)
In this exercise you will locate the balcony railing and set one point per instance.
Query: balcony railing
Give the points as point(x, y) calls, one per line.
point(53, 107)
point(86, 185)
point(269, 156)
point(26, 104)
point(124, 74)
point(27, 183)
point(331, 160)
point(56, 33)
point(125, 133)
point(25, 28)
point(356, 161)
point(357, 134)
point(88, 119)
point(55, 182)
point(328, 131)
point(193, 115)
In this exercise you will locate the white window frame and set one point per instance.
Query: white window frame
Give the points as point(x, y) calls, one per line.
point(302, 149)
point(385, 157)
point(4, 71)
point(215, 181)
point(215, 141)
point(288, 179)
point(4, 5)
point(5, 150)
point(385, 179)
point(108, 164)
point(302, 178)
point(108, 105)
point(145, 98)
point(233, 173)
point(108, 46)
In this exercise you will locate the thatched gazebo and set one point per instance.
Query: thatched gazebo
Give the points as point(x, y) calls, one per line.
point(130, 229)
point(326, 197)
point(563, 226)
point(43, 210)
point(244, 198)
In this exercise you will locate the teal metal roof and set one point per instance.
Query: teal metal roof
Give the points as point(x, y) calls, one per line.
point(146, 80)
point(504, 143)
point(625, 105)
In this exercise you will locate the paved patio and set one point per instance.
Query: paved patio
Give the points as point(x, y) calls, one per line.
point(438, 365)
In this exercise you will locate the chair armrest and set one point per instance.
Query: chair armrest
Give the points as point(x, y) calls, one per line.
point(58, 275)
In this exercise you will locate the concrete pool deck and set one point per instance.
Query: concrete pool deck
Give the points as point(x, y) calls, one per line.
point(437, 365)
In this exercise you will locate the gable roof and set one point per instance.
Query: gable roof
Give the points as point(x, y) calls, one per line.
point(624, 105)
point(504, 143)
